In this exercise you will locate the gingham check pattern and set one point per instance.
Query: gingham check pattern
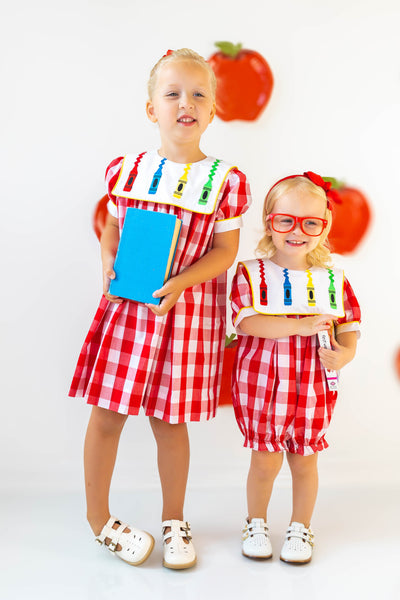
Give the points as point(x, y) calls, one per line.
point(280, 394)
point(170, 365)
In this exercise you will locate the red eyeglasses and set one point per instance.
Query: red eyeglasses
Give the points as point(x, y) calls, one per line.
point(282, 223)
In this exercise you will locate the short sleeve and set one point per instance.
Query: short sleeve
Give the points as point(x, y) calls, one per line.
point(351, 320)
point(235, 200)
point(111, 176)
point(241, 298)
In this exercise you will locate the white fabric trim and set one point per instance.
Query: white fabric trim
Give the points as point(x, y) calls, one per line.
point(228, 224)
point(112, 209)
point(352, 326)
point(194, 186)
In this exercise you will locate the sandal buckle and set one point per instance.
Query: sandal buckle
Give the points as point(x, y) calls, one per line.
point(112, 546)
point(186, 529)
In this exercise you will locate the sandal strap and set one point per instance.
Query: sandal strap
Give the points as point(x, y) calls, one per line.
point(305, 535)
point(113, 534)
point(179, 528)
point(254, 528)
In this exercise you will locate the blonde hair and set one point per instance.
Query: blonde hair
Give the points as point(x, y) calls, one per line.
point(320, 256)
point(181, 54)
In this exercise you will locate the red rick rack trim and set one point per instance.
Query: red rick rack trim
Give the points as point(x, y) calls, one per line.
point(263, 285)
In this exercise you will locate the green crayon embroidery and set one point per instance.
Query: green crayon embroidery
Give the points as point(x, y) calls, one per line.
point(310, 289)
point(332, 289)
point(206, 191)
point(182, 182)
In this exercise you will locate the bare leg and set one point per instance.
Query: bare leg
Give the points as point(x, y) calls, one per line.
point(173, 465)
point(305, 486)
point(264, 468)
point(101, 445)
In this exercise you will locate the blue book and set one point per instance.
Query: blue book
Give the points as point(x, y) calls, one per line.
point(145, 254)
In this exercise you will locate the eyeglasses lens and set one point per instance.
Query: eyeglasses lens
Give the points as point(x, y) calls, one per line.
point(285, 223)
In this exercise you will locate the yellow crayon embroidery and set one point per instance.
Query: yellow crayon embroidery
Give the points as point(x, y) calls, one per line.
point(310, 289)
point(182, 182)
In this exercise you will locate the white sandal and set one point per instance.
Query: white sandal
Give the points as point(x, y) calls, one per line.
point(177, 553)
point(136, 545)
point(298, 546)
point(255, 539)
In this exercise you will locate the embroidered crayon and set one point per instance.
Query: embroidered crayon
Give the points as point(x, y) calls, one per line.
point(332, 289)
point(287, 289)
point(206, 191)
point(182, 182)
point(133, 174)
point(310, 289)
point(156, 177)
point(263, 284)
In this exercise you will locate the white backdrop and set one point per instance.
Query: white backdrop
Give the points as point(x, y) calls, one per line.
point(73, 93)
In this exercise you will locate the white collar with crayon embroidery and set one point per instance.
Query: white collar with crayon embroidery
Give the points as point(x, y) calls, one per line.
point(151, 178)
point(278, 291)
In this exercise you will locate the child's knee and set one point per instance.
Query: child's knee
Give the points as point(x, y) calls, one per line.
point(266, 465)
point(107, 422)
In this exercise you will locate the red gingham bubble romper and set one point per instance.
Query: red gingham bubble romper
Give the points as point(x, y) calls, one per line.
point(170, 365)
point(280, 394)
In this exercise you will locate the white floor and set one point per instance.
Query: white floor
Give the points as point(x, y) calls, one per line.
point(47, 551)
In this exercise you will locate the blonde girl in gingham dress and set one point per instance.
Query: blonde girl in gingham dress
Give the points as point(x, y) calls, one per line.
point(166, 358)
point(281, 397)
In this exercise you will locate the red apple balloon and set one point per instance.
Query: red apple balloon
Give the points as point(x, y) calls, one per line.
point(100, 215)
point(397, 363)
point(244, 82)
point(351, 216)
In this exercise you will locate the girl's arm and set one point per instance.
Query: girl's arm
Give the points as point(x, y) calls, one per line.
point(212, 264)
point(271, 327)
point(342, 352)
point(109, 245)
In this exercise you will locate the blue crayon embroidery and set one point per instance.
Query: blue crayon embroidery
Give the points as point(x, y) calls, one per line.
point(156, 178)
point(287, 289)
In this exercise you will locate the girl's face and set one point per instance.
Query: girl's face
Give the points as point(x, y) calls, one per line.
point(293, 247)
point(182, 104)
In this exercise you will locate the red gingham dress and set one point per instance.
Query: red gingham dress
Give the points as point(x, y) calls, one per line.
point(280, 395)
point(171, 365)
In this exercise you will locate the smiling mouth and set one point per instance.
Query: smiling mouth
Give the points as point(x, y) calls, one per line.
point(186, 120)
point(294, 243)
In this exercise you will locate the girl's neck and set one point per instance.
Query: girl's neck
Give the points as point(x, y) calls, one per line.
point(181, 154)
point(294, 265)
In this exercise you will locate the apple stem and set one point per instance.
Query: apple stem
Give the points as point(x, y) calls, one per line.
point(336, 183)
point(228, 48)
point(229, 339)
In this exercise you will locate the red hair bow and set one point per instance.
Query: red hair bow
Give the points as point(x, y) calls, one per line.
point(326, 185)
point(168, 52)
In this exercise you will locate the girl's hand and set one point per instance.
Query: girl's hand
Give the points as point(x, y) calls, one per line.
point(312, 325)
point(170, 292)
point(108, 274)
point(339, 355)
point(109, 245)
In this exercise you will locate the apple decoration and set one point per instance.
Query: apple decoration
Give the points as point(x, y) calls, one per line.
point(225, 396)
point(100, 215)
point(244, 81)
point(351, 215)
point(397, 363)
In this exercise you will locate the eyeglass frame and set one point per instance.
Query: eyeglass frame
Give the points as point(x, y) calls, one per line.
point(298, 220)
